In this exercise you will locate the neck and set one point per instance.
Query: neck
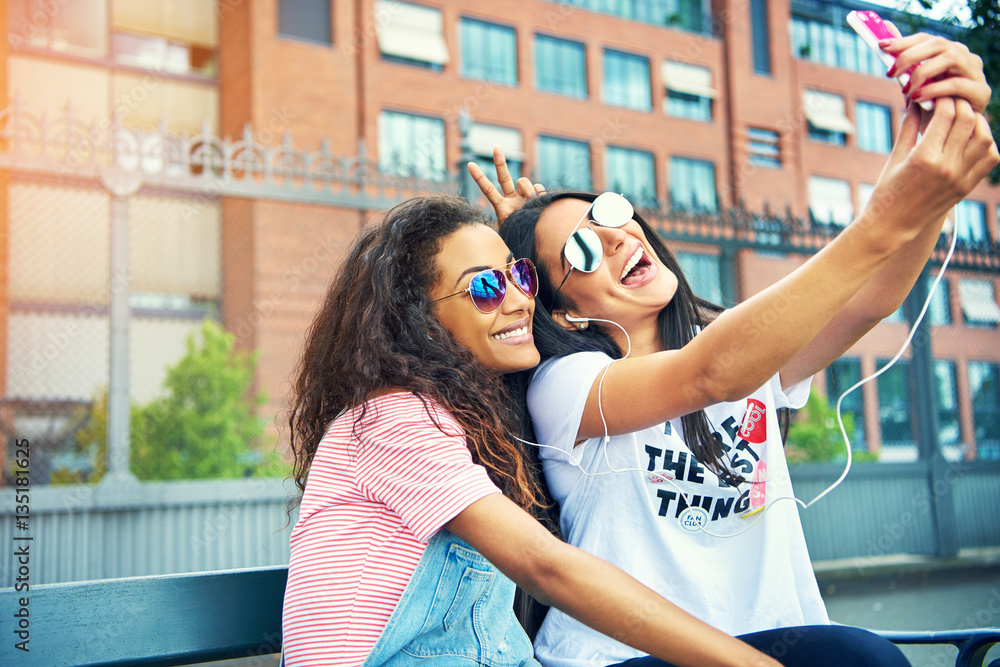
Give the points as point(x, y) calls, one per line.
point(644, 336)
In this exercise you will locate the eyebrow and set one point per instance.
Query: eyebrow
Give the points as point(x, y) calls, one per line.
point(477, 269)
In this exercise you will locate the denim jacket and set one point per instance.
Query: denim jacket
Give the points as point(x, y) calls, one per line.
point(457, 610)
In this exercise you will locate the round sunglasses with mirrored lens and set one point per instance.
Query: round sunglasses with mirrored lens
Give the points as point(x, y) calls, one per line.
point(583, 249)
point(489, 288)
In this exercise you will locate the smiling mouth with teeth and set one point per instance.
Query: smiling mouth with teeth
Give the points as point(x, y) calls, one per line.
point(636, 263)
point(510, 334)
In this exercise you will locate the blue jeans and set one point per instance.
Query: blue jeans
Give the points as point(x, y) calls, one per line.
point(457, 611)
point(814, 646)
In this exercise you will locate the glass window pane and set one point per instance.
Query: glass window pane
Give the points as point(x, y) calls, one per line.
point(308, 20)
point(488, 52)
point(563, 163)
point(939, 311)
point(630, 172)
point(841, 375)
point(984, 387)
point(411, 145)
point(894, 403)
point(970, 218)
point(79, 27)
point(703, 274)
point(45, 87)
point(949, 431)
point(764, 148)
point(193, 21)
point(626, 80)
point(692, 185)
point(142, 100)
point(830, 200)
point(874, 127)
point(560, 66)
point(50, 261)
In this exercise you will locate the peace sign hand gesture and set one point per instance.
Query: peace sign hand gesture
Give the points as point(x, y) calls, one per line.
point(513, 196)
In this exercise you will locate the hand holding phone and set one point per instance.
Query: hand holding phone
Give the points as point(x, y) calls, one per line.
point(871, 29)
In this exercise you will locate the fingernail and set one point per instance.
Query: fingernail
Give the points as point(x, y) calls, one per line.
point(891, 72)
point(906, 88)
point(916, 96)
point(884, 42)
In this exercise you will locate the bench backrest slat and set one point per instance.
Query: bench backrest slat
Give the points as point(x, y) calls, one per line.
point(169, 619)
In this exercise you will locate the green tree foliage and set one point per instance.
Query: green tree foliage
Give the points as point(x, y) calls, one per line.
point(203, 427)
point(814, 435)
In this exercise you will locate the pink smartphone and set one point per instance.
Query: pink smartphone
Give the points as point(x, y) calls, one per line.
point(871, 29)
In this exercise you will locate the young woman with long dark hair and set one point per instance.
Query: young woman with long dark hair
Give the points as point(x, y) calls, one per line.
point(654, 411)
point(417, 499)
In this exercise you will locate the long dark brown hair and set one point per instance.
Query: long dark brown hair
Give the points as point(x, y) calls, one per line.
point(375, 330)
point(678, 322)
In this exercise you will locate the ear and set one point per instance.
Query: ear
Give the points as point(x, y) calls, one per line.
point(559, 317)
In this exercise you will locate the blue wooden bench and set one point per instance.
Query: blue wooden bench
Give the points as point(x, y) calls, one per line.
point(186, 618)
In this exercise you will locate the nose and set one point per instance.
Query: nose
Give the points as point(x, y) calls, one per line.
point(613, 238)
point(515, 300)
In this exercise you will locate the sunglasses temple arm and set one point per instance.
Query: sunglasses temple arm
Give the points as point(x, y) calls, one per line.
point(565, 278)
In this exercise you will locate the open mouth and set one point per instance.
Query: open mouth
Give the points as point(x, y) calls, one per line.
point(636, 267)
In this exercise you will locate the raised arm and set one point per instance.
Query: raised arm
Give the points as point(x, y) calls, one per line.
point(745, 346)
point(593, 591)
point(951, 74)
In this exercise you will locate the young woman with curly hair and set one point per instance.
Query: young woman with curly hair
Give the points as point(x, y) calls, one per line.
point(417, 500)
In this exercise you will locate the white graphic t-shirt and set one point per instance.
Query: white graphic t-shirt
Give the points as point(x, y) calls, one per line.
point(667, 520)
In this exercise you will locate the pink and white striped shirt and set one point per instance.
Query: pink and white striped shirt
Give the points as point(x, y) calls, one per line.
point(373, 500)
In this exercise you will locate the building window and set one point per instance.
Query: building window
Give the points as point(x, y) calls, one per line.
point(563, 163)
point(984, 386)
point(949, 429)
point(631, 173)
point(482, 139)
point(874, 127)
point(410, 34)
point(894, 403)
point(689, 91)
point(979, 306)
point(970, 218)
point(308, 20)
point(560, 66)
point(626, 80)
point(830, 201)
point(826, 116)
point(939, 311)
point(841, 375)
point(764, 147)
point(833, 46)
point(761, 37)
point(78, 28)
point(683, 14)
point(703, 274)
point(489, 52)
point(411, 145)
point(162, 54)
point(692, 185)
point(184, 106)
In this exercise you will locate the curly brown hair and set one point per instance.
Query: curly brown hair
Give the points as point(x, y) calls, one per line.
point(375, 330)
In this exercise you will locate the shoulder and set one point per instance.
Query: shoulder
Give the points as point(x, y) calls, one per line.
point(400, 414)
